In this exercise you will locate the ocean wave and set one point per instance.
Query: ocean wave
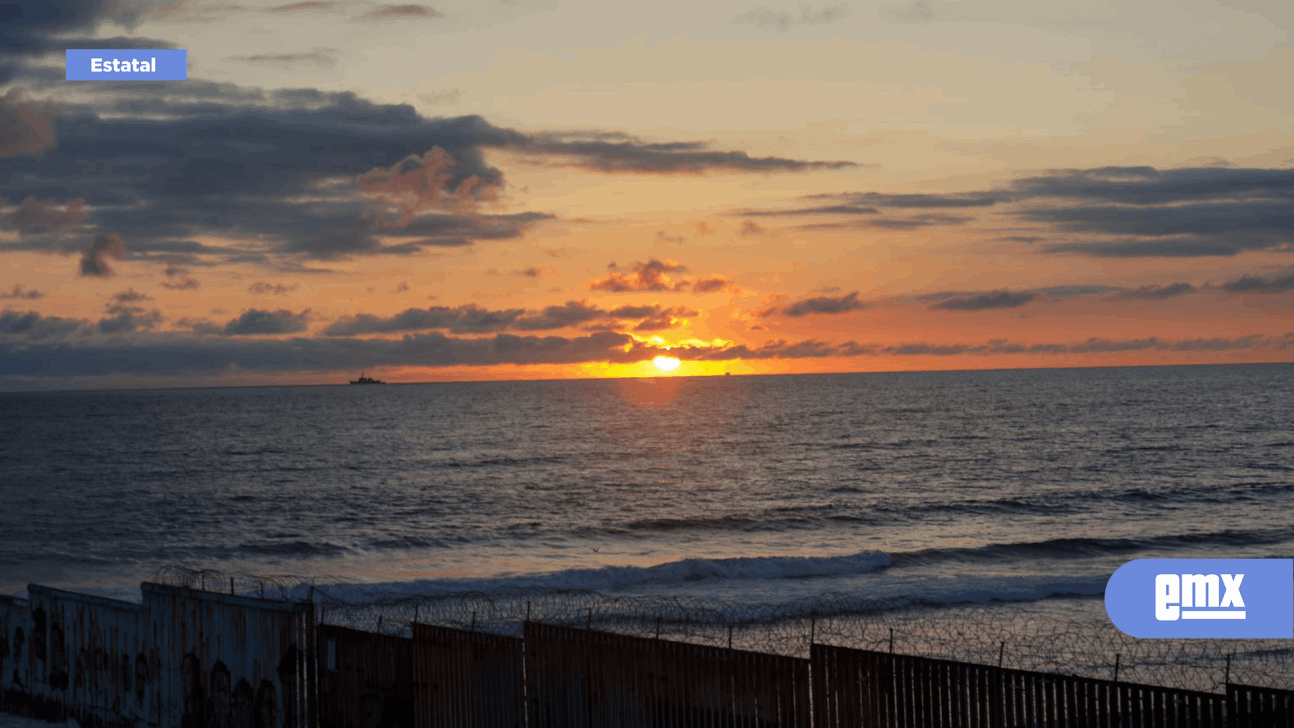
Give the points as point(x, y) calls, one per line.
point(1089, 547)
point(509, 600)
point(292, 548)
point(674, 524)
point(620, 579)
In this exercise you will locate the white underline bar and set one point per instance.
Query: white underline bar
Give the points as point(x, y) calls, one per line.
point(1208, 614)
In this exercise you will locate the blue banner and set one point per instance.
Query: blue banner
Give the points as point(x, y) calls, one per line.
point(127, 65)
point(1232, 598)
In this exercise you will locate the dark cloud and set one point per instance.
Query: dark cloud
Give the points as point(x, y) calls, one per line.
point(159, 356)
point(26, 127)
point(867, 202)
point(320, 57)
point(537, 271)
point(841, 209)
point(1259, 284)
point(384, 12)
point(1089, 346)
point(983, 301)
point(620, 153)
point(927, 349)
point(37, 29)
point(1220, 344)
point(782, 20)
point(307, 5)
point(1062, 292)
point(25, 355)
point(302, 174)
point(128, 319)
point(474, 319)
point(179, 279)
point(42, 217)
point(634, 312)
point(1106, 212)
point(288, 178)
point(863, 210)
point(772, 350)
point(285, 178)
point(663, 237)
point(24, 293)
point(1158, 292)
point(130, 295)
point(35, 327)
point(470, 318)
point(185, 283)
point(751, 229)
point(118, 43)
point(94, 261)
point(1142, 211)
point(654, 275)
point(664, 319)
point(34, 27)
point(571, 313)
point(913, 222)
point(817, 305)
point(713, 284)
point(255, 322)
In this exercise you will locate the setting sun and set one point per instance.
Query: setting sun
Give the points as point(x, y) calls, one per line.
point(666, 363)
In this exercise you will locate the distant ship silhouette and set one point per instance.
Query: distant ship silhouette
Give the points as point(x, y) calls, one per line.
point(366, 380)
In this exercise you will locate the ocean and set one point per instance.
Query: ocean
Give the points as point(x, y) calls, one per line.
point(1011, 490)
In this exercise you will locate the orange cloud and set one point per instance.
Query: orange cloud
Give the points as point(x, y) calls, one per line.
point(654, 275)
point(416, 185)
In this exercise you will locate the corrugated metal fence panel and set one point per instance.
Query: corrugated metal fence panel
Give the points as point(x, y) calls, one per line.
point(1251, 707)
point(865, 688)
point(365, 679)
point(230, 661)
point(579, 677)
point(91, 659)
point(15, 631)
point(467, 679)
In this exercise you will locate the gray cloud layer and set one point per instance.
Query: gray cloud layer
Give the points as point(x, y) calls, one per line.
point(817, 305)
point(293, 175)
point(473, 319)
point(983, 301)
point(49, 348)
point(1108, 212)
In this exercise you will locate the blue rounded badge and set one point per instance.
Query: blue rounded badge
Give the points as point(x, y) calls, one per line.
point(1228, 598)
point(106, 64)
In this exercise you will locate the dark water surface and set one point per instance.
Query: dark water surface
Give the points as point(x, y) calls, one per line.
point(956, 486)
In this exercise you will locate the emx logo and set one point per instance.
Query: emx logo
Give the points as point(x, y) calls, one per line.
point(1202, 598)
point(1197, 595)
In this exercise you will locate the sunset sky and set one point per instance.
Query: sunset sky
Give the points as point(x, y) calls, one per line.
point(553, 188)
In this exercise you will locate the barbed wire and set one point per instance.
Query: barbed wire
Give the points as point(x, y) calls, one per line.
point(1011, 636)
point(272, 587)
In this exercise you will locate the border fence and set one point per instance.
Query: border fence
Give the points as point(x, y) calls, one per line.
point(189, 657)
